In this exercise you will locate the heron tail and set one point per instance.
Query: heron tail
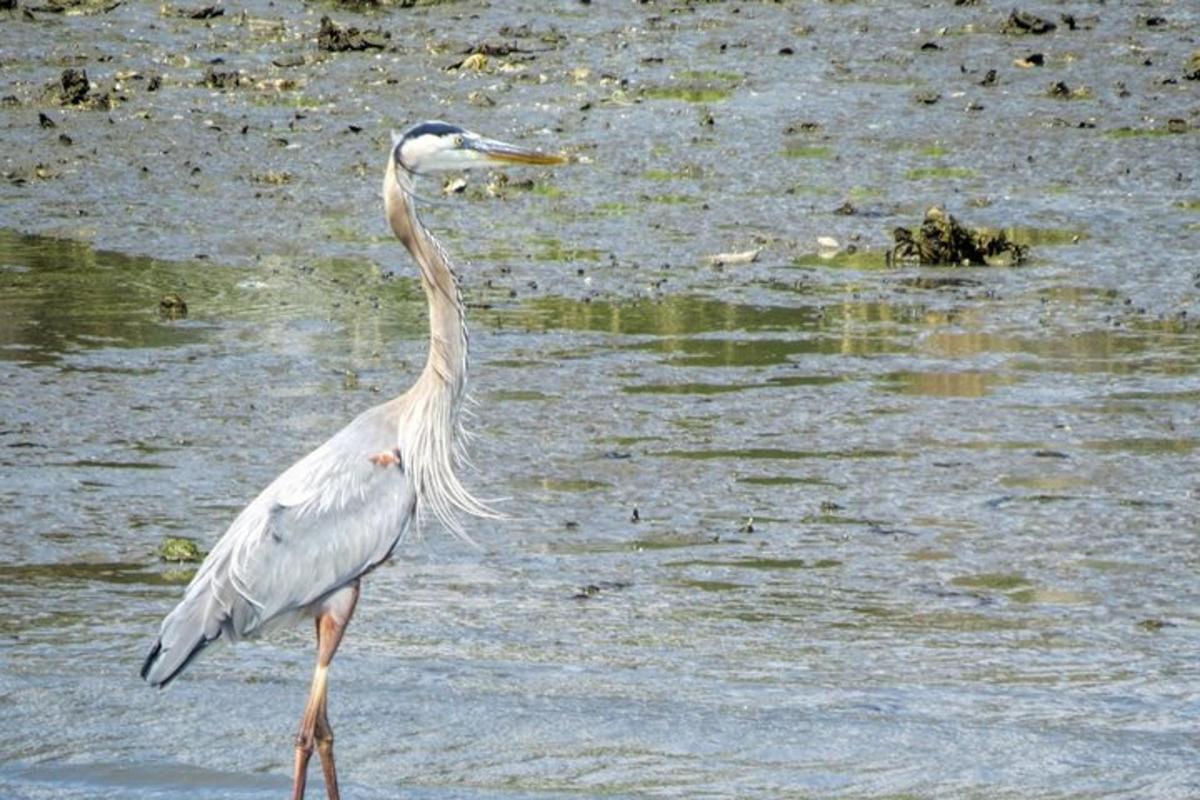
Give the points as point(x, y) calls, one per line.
point(186, 631)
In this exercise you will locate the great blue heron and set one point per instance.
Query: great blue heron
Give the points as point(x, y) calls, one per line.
point(301, 548)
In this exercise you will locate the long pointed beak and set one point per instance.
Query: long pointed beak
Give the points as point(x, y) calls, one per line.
point(502, 152)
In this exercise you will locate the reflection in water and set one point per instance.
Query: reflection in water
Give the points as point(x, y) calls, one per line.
point(59, 295)
point(1162, 346)
point(946, 384)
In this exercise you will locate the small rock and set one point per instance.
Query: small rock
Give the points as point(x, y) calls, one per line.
point(1059, 89)
point(172, 306)
point(205, 12)
point(732, 259)
point(1155, 625)
point(1022, 22)
point(180, 549)
point(476, 62)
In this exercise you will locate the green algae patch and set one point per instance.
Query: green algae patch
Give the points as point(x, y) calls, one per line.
point(808, 151)
point(940, 173)
point(996, 581)
point(571, 485)
point(687, 93)
point(843, 259)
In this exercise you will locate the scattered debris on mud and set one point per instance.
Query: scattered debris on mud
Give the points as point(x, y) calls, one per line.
point(335, 39)
point(943, 241)
point(217, 79)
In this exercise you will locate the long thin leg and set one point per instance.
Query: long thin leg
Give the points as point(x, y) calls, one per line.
point(332, 619)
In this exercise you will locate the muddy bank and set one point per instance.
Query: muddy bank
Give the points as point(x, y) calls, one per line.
point(712, 130)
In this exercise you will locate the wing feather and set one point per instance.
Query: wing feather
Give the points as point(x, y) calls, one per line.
point(325, 521)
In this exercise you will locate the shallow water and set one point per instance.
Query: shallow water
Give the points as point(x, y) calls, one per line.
point(899, 533)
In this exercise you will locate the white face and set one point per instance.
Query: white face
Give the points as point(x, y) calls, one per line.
point(433, 153)
point(438, 146)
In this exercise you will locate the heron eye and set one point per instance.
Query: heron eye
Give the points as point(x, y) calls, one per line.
point(459, 141)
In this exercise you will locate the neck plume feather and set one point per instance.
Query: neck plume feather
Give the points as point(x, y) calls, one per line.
point(431, 429)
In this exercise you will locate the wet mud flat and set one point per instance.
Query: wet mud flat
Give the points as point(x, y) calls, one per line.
point(795, 524)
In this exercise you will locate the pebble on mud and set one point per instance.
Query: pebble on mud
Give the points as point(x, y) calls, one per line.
point(172, 306)
point(335, 39)
point(180, 550)
point(1022, 22)
point(943, 241)
point(1062, 91)
point(732, 259)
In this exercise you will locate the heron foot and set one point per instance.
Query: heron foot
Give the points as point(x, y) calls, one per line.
point(387, 459)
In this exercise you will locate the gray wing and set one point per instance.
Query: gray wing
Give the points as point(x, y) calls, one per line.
point(329, 518)
point(324, 522)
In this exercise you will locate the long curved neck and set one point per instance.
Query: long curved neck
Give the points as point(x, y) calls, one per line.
point(447, 364)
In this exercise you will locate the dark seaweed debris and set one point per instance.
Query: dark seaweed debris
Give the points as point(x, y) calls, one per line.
point(335, 39)
point(943, 241)
point(73, 87)
point(1022, 22)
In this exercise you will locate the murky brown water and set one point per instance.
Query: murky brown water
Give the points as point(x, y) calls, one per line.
point(901, 533)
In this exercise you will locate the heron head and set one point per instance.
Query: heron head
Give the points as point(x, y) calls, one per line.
point(440, 146)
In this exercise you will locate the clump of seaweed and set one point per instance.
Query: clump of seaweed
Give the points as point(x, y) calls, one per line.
point(336, 39)
point(74, 89)
point(943, 241)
